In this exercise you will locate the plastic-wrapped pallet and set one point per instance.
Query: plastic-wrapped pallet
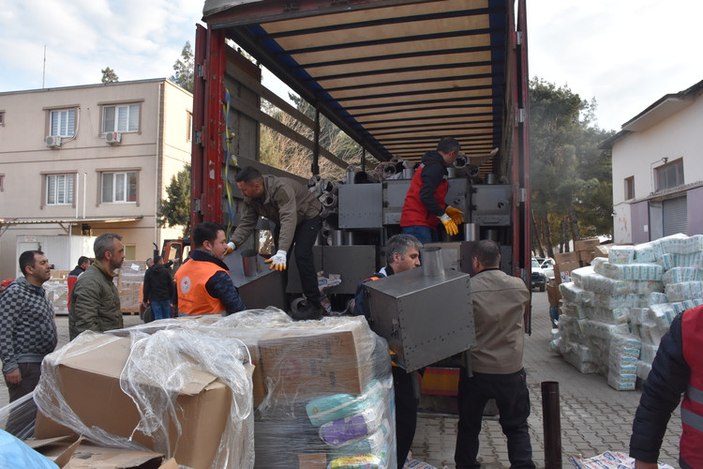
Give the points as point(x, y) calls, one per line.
point(588, 279)
point(621, 254)
point(682, 274)
point(683, 291)
point(641, 271)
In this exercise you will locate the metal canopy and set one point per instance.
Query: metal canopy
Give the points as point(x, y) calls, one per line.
point(395, 75)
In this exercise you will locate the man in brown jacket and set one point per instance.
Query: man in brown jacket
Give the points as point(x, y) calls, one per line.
point(296, 212)
point(496, 370)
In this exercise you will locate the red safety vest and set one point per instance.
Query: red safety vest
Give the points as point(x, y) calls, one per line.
point(193, 297)
point(414, 211)
point(692, 405)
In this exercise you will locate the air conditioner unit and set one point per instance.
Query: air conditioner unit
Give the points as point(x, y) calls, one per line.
point(113, 137)
point(53, 141)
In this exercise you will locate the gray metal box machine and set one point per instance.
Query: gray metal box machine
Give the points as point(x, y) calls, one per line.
point(424, 318)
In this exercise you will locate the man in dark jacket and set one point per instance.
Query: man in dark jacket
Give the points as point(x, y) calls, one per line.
point(296, 211)
point(159, 289)
point(81, 266)
point(677, 370)
point(203, 282)
point(95, 301)
point(402, 253)
point(425, 207)
point(27, 334)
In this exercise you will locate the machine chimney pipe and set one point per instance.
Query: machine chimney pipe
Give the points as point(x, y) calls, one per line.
point(432, 262)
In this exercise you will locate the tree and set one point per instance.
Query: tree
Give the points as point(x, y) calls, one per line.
point(175, 209)
point(109, 76)
point(570, 175)
point(184, 68)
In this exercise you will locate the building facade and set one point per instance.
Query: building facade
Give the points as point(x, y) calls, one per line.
point(658, 170)
point(79, 161)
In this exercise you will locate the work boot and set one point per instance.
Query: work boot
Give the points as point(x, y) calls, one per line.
point(306, 309)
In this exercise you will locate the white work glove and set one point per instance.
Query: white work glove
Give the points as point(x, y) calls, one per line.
point(277, 261)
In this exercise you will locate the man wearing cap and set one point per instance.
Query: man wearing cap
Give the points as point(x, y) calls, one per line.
point(425, 207)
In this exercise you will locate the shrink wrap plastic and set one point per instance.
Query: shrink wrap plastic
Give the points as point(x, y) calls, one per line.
point(321, 390)
point(615, 311)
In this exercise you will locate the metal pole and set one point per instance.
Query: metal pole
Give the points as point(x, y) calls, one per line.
point(551, 420)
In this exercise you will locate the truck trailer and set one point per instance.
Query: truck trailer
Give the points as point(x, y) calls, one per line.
point(396, 76)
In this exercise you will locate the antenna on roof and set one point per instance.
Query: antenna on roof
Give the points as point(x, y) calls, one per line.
point(43, 70)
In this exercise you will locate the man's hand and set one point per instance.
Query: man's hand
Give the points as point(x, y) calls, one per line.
point(277, 261)
point(14, 376)
point(449, 225)
point(456, 214)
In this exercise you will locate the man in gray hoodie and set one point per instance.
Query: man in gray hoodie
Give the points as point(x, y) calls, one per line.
point(27, 334)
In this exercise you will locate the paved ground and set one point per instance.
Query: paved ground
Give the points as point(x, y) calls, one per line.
point(594, 417)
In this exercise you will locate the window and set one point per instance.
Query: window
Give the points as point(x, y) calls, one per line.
point(59, 189)
point(669, 175)
point(2, 183)
point(119, 187)
point(630, 188)
point(2, 118)
point(130, 251)
point(189, 125)
point(62, 123)
point(122, 118)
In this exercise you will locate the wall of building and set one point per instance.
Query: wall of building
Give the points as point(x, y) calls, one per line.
point(157, 151)
point(639, 153)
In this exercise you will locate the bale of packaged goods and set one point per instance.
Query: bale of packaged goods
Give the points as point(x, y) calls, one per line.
point(254, 389)
point(615, 311)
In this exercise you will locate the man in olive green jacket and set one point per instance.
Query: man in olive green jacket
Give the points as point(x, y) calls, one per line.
point(95, 301)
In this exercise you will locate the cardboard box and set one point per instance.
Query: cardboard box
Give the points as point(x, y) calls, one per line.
point(601, 251)
point(75, 453)
point(586, 257)
point(586, 244)
point(299, 363)
point(562, 271)
point(90, 385)
point(312, 461)
point(563, 257)
point(553, 295)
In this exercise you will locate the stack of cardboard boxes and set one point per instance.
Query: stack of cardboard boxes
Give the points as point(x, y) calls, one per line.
point(321, 390)
point(585, 250)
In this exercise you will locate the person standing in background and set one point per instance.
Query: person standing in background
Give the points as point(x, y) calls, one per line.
point(81, 266)
point(27, 335)
point(95, 301)
point(159, 289)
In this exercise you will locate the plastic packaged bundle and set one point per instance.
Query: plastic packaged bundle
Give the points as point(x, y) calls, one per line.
point(643, 369)
point(609, 301)
point(645, 252)
point(684, 291)
point(632, 271)
point(656, 298)
point(589, 280)
point(644, 287)
point(573, 294)
point(621, 254)
point(681, 244)
point(691, 259)
point(662, 314)
point(681, 306)
point(648, 352)
point(681, 274)
point(622, 362)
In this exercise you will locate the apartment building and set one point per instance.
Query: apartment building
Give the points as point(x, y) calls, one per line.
point(658, 169)
point(79, 161)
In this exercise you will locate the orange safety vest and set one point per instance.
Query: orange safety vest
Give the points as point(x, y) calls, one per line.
point(691, 446)
point(193, 297)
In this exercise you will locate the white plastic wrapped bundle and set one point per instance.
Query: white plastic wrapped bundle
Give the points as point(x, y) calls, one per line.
point(662, 315)
point(680, 244)
point(645, 287)
point(622, 381)
point(692, 259)
point(648, 352)
point(684, 291)
point(573, 294)
point(587, 279)
point(608, 301)
point(608, 315)
point(681, 274)
point(656, 298)
point(651, 332)
point(681, 306)
point(602, 330)
point(581, 357)
point(632, 271)
point(645, 253)
point(621, 254)
point(643, 370)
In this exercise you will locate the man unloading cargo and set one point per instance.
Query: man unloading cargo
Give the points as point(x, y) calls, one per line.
point(203, 282)
point(296, 212)
point(402, 253)
point(425, 207)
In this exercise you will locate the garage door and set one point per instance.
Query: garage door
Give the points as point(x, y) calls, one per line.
point(675, 216)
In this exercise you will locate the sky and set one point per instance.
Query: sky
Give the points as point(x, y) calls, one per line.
point(625, 54)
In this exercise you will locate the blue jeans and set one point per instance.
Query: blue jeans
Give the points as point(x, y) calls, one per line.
point(554, 315)
point(424, 234)
point(161, 309)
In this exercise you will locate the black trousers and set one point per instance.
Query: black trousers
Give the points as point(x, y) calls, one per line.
point(304, 239)
point(21, 420)
point(513, 400)
point(406, 401)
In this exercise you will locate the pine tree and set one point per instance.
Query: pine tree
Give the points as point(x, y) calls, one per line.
point(109, 76)
point(184, 68)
